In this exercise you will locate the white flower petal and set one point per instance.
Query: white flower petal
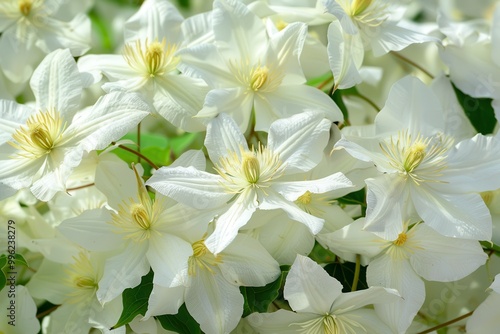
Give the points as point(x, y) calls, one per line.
point(228, 224)
point(13, 116)
point(190, 186)
point(158, 296)
point(214, 303)
point(168, 256)
point(123, 271)
point(445, 259)
point(224, 137)
point(397, 274)
point(453, 215)
point(299, 140)
point(246, 263)
point(57, 85)
point(114, 67)
point(358, 299)
point(309, 288)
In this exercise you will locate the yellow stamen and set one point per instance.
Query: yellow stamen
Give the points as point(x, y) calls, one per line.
point(305, 198)
point(402, 237)
point(25, 7)
point(414, 156)
point(202, 259)
point(359, 6)
point(258, 78)
point(251, 168)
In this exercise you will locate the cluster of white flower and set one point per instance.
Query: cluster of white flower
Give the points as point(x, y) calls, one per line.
point(233, 171)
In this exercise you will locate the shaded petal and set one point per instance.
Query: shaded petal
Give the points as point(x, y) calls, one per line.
point(247, 263)
point(13, 116)
point(157, 304)
point(280, 322)
point(299, 140)
point(358, 299)
point(397, 274)
point(228, 224)
point(453, 215)
point(213, 302)
point(91, 230)
point(386, 198)
point(168, 256)
point(114, 67)
point(473, 165)
point(275, 201)
point(309, 288)
point(123, 271)
point(444, 259)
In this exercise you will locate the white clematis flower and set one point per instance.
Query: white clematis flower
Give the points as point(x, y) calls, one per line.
point(153, 37)
point(211, 290)
point(42, 146)
point(246, 69)
point(321, 307)
point(250, 179)
point(372, 22)
point(146, 233)
point(424, 169)
point(401, 263)
point(31, 29)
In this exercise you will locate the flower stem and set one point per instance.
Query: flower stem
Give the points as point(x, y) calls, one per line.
point(356, 273)
point(367, 100)
point(326, 82)
point(412, 63)
point(139, 142)
point(152, 164)
point(444, 324)
point(81, 187)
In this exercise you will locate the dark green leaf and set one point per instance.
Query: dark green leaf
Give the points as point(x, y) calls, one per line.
point(479, 111)
point(321, 255)
point(355, 198)
point(3, 261)
point(487, 246)
point(344, 273)
point(258, 299)
point(337, 98)
point(182, 322)
point(3, 280)
point(135, 300)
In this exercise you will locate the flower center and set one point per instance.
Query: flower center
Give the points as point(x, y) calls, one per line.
point(305, 198)
point(251, 168)
point(421, 158)
point(82, 277)
point(359, 6)
point(258, 78)
point(140, 216)
point(202, 259)
point(25, 7)
point(42, 133)
point(136, 219)
point(151, 59)
point(402, 237)
point(255, 168)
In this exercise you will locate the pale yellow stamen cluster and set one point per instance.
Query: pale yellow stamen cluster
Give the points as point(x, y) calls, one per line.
point(330, 324)
point(136, 218)
point(202, 259)
point(313, 203)
point(82, 277)
point(41, 134)
point(151, 59)
point(25, 7)
point(404, 245)
point(257, 79)
point(370, 13)
point(255, 168)
point(422, 159)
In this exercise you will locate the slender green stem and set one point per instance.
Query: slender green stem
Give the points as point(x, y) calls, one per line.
point(139, 142)
point(152, 164)
point(356, 273)
point(412, 63)
point(444, 324)
point(81, 187)
point(367, 100)
point(44, 313)
point(326, 82)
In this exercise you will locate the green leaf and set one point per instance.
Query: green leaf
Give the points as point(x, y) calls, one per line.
point(479, 111)
point(355, 198)
point(344, 273)
point(321, 254)
point(3, 280)
point(258, 299)
point(337, 98)
point(135, 300)
point(3, 261)
point(489, 246)
point(21, 261)
point(186, 141)
point(182, 322)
